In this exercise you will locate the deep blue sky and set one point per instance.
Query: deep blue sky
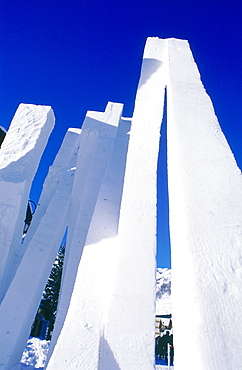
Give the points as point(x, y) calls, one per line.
point(76, 55)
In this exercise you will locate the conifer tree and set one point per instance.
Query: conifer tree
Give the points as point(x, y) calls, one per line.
point(49, 301)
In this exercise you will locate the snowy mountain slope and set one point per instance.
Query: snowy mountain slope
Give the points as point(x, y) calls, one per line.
point(163, 291)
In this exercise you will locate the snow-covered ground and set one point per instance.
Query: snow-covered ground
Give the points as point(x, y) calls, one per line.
point(34, 355)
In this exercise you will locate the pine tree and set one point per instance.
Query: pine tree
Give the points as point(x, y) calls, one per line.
point(48, 306)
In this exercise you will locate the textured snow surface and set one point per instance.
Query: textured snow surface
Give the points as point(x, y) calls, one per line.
point(93, 217)
point(28, 125)
point(205, 197)
point(20, 154)
point(22, 298)
point(129, 327)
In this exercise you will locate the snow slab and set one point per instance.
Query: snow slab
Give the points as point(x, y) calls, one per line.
point(89, 302)
point(129, 330)
point(65, 160)
point(97, 318)
point(20, 154)
point(19, 306)
point(98, 139)
point(205, 197)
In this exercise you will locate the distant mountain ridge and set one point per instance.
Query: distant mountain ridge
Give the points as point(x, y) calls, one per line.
point(163, 291)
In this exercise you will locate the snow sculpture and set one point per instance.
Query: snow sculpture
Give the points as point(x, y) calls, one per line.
point(135, 275)
point(19, 158)
point(22, 298)
point(95, 305)
point(104, 190)
point(206, 218)
point(205, 197)
point(93, 217)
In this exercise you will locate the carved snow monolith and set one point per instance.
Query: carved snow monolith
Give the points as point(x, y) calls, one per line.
point(20, 154)
point(205, 197)
point(102, 318)
point(129, 327)
point(22, 299)
point(97, 147)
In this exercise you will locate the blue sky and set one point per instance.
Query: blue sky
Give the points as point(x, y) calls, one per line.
point(76, 55)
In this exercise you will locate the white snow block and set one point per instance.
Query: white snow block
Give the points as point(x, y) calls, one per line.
point(21, 301)
point(98, 135)
point(205, 197)
point(65, 160)
point(130, 325)
point(20, 154)
point(80, 343)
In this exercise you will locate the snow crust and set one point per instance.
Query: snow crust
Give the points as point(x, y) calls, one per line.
point(20, 154)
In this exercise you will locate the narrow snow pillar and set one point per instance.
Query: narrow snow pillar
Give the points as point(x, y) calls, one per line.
point(130, 325)
point(20, 154)
point(205, 197)
point(81, 338)
point(96, 145)
point(20, 304)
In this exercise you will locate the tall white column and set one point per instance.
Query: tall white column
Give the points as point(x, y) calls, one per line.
point(20, 154)
point(86, 317)
point(21, 301)
point(98, 137)
point(130, 325)
point(205, 197)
